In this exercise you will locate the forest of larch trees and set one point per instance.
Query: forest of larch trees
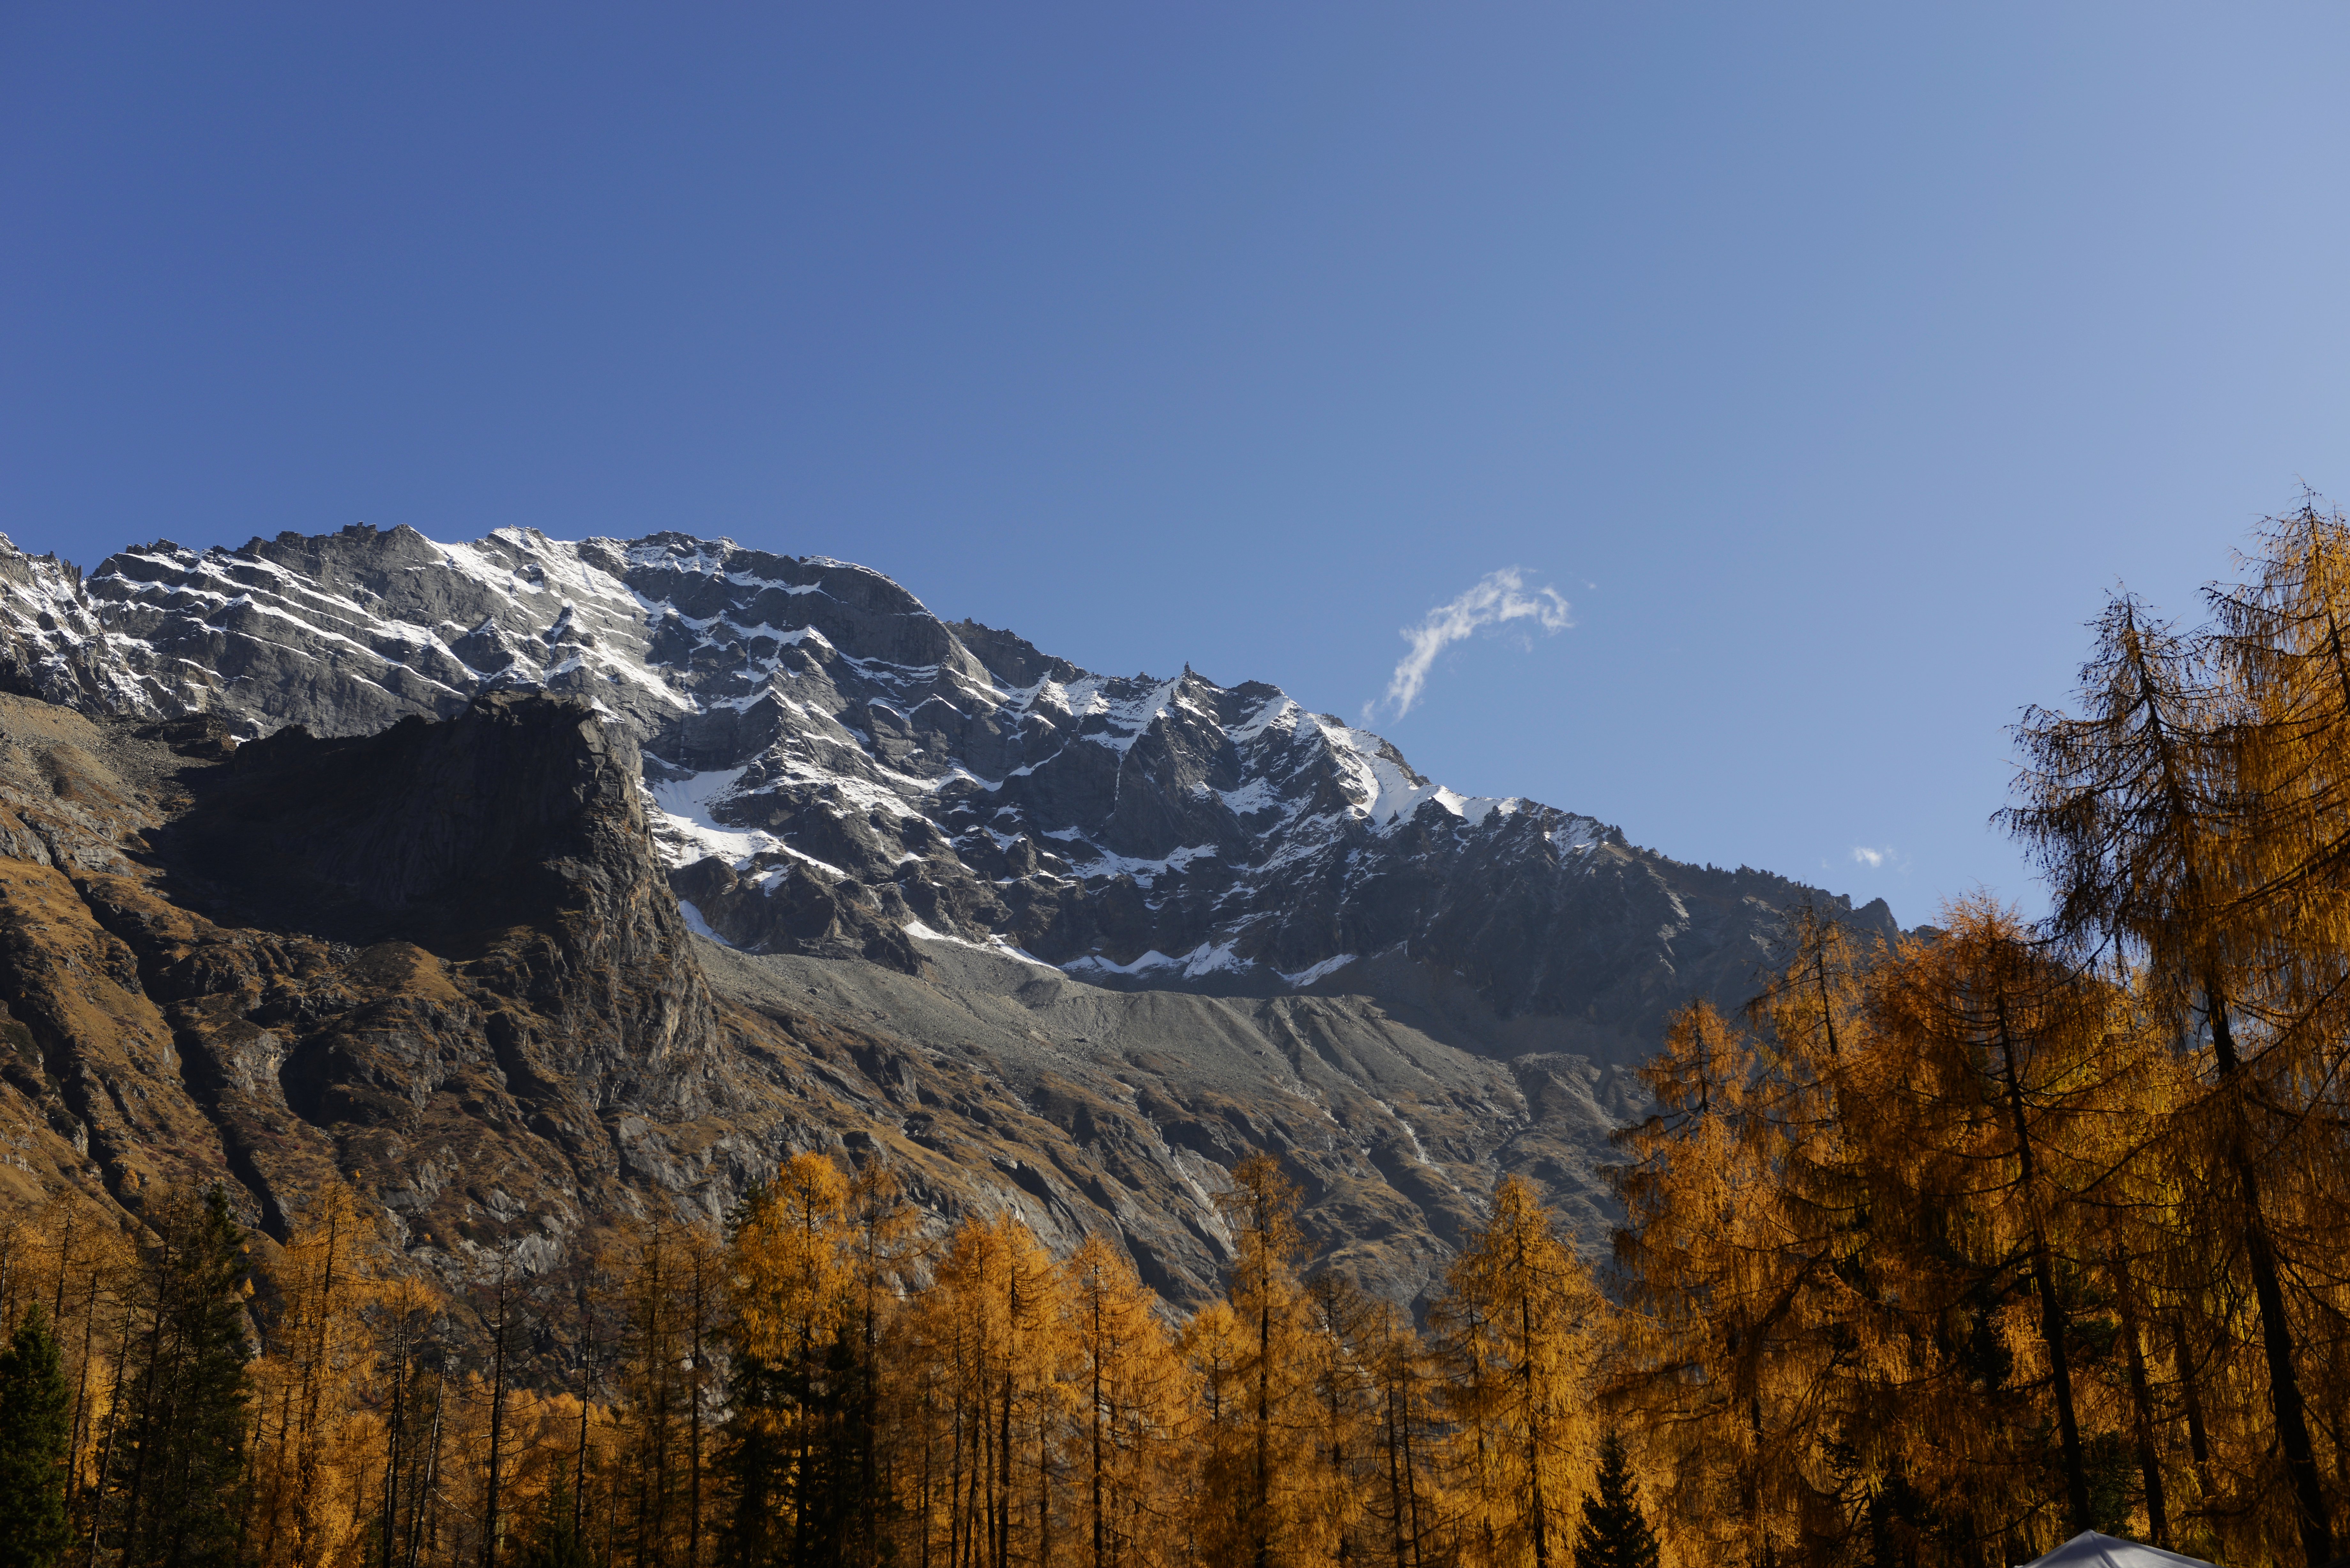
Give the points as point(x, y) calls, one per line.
point(1937, 1254)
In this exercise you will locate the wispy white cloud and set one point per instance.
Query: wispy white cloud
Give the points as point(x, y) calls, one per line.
point(1878, 859)
point(1497, 598)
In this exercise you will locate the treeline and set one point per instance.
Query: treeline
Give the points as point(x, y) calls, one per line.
point(791, 1395)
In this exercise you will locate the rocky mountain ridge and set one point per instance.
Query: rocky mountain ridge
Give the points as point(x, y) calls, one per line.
point(1257, 926)
point(837, 770)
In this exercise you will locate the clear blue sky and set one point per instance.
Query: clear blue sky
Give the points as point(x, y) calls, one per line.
point(1831, 362)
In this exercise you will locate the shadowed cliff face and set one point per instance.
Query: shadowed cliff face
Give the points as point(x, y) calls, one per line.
point(514, 800)
point(509, 845)
point(441, 960)
point(522, 815)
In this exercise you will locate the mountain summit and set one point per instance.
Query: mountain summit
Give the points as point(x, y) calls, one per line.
point(1226, 920)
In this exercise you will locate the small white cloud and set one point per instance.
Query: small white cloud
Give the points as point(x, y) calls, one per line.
point(1497, 598)
point(1877, 860)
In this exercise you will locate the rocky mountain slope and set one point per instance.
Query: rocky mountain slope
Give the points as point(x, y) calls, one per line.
point(526, 882)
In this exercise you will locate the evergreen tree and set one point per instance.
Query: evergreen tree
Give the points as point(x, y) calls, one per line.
point(35, 1427)
point(553, 1540)
point(174, 1477)
point(1614, 1533)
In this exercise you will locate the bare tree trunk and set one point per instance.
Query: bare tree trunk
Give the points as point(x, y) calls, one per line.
point(421, 1510)
point(587, 1388)
point(113, 1422)
point(1002, 1490)
point(2150, 1459)
point(2276, 1332)
point(1534, 1406)
point(65, 1252)
point(394, 1430)
point(81, 1392)
point(2198, 1442)
point(1410, 1475)
point(133, 1493)
point(1262, 1523)
point(694, 1394)
point(2052, 1309)
point(313, 1380)
point(1097, 1412)
point(497, 1426)
point(1395, 1473)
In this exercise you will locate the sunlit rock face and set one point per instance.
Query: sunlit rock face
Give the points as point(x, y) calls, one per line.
point(746, 804)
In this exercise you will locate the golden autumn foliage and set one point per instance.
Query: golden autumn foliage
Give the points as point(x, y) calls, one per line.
point(1945, 1252)
point(1517, 1329)
point(821, 1386)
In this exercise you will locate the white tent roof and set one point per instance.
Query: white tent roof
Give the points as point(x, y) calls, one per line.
point(2091, 1550)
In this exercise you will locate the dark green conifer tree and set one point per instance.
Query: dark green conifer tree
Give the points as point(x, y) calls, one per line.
point(1613, 1533)
point(34, 1433)
point(555, 1540)
point(174, 1478)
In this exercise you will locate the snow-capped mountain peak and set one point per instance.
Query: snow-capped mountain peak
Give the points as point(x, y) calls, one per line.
point(833, 768)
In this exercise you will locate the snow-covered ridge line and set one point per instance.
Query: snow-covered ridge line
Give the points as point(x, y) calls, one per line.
point(825, 761)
